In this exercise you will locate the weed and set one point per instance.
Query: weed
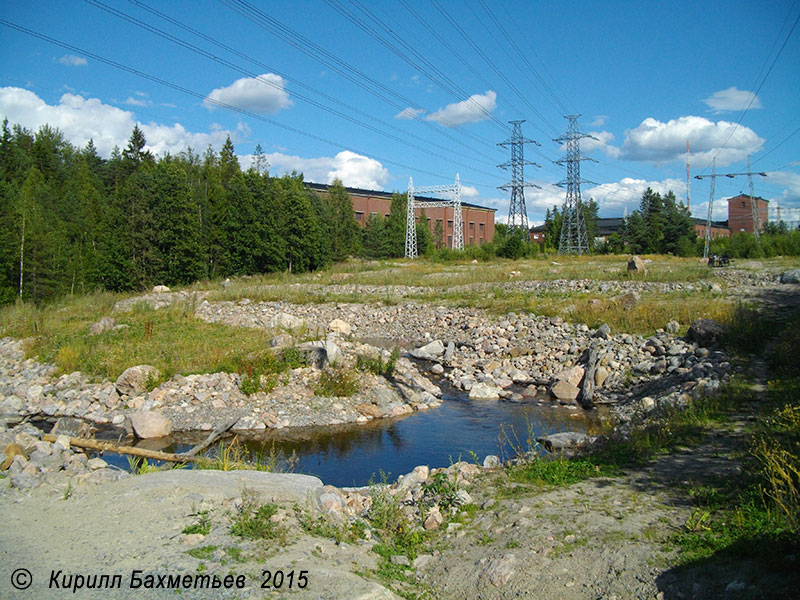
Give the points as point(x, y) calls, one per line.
point(321, 526)
point(235, 554)
point(254, 521)
point(376, 365)
point(201, 525)
point(139, 466)
point(69, 491)
point(441, 491)
point(202, 553)
point(337, 382)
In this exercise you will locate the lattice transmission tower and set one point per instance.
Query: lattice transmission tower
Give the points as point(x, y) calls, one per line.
point(517, 213)
point(573, 227)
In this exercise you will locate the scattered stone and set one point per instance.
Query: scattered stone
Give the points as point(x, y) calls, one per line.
point(497, 571)
point(564, 390)
point(603, 332)
point(160, 289)
point(673, 326)
point(491, 461)
point(286, 321)
point(430, 351)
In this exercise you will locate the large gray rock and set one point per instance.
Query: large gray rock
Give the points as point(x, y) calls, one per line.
point(566, 440)
point(286, 321)
point(320, 354)
point(564, 390)
point(791, 276)
point(135, 380)
point(104, 324)
point(706, 332)
point(636, 265)
point(431, 351)
point(150, 424)
point(484, 391)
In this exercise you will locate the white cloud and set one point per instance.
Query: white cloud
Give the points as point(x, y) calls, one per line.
point(137, 101)
point(70, 60)
point(657, 142)
point(80, 119)
point(468, 191)
point(791, 183)
point(600, 140)
point(732, 99)
point(599, 121)
point(409, 113)
point(264, 94)
point(614, 198)
point(354, 170)
point(476, 108)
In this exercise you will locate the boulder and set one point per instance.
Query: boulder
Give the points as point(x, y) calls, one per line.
point(636, 265)
point(282, 340)
point(572, 375)
point(434, 519)
point(431, 351)
point(563, 390)
point(603, 332)
point(135, 380)
point(286, 321)
point(566, 440)
point(150, 424)
point(320, 354)
point(600, 376)
point(160, 289)
point(791, 276)
point(484, 391)
point(706, 332)
point(628, 300)
point(339, 326)
point(104, 324)
point(497, 571)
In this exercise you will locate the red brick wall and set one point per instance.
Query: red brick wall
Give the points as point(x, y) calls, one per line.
point(740, 215)
point(716, 232)
point(478, 223)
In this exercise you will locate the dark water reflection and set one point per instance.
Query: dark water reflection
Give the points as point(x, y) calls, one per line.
point(352, 455)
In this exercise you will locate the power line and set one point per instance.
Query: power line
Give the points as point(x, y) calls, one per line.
point(198, 95)
point(294, 81)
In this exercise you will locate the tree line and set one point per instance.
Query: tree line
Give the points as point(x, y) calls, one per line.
point(71, 221)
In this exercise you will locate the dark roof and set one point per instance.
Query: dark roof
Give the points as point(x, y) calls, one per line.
point(747, 197)
point(717, 224)
point(323, 187)
point(609, 225)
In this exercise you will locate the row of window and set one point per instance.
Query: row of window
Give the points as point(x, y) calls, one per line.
point(481, 226)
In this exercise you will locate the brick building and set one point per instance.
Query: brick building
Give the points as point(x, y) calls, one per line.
point(740, 214)
point(478, 220)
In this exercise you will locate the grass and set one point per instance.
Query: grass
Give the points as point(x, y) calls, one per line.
point(201, 525)
point(321, 526)
point(337, 381)
point(202, 553)
point(253, 520)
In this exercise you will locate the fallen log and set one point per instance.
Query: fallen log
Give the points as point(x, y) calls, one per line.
point(131, 450)
point(587, 389)
point(212, 437)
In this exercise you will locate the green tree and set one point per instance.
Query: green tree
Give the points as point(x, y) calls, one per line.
point(424, 236)
point(340, 224)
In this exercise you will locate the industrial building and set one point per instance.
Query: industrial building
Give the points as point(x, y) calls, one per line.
point(478, 221)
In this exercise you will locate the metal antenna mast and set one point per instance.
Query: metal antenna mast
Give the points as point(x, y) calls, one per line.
point(573, 228)
point(517, 213)
point(753, 206)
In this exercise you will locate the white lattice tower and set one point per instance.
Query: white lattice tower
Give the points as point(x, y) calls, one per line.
point(454, 191)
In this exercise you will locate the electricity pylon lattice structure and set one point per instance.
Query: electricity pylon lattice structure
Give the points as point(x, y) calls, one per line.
point(517, 213)
point(753, 204)
point(573, 227)
point(454, 200)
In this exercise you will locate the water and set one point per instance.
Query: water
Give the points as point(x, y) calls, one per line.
point(354, 455)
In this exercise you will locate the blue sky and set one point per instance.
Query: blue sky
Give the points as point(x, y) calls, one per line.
point(377, 92)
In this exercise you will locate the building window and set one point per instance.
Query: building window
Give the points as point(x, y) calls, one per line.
point(480, 227)
point(472, 225)
point(359, 215)
point(744, 204)
point(429, 221)
point(449, 224)
point(471, 241)
point(449, 241)
point(373, 214)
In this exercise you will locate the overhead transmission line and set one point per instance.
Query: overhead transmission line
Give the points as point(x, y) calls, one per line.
point(333, 62)
point(490, 62)
point(272, 84)
point(301, 84)
point(418, 62)
point(201, 96)
point(763, 80)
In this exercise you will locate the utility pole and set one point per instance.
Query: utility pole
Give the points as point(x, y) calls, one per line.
point(517, 213)
point(573, 228)
point(753, 207)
